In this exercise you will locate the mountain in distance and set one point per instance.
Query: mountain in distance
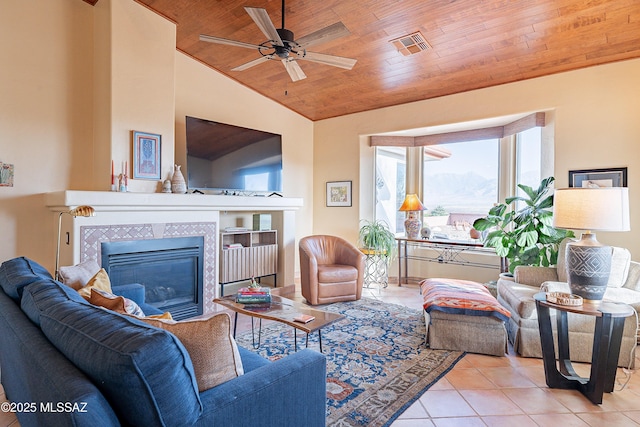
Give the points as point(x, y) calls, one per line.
point(460, 192)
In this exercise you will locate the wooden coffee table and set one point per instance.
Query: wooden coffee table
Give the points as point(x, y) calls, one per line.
point(281, 310)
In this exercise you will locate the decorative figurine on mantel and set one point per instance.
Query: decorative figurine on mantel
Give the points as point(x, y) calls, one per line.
point(166, 186)
point(178, 184)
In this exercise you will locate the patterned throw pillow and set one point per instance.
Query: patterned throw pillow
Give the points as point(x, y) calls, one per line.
point(77, 276)
point(116, 303)
point(210, 345)
point(99, 281)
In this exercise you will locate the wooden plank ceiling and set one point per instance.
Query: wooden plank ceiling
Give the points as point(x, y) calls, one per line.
point(474, 44)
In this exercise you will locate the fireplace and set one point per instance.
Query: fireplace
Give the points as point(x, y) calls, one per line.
point(171, 270)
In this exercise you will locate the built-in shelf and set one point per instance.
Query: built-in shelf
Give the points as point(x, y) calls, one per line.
point(247, 254)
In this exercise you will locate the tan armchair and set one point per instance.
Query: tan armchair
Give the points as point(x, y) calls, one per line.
point(331, 270)
point(517, 296)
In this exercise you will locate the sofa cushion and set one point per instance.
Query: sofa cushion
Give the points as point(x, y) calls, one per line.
point(46, 290)
point(17, 273)
point(335, 273)
point(77, 276)
point(519, 297)
point(211, 346)
point(139, 369)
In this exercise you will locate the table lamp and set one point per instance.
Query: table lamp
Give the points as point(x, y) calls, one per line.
point(588, 261)
point(84, 211)
point(412, 224)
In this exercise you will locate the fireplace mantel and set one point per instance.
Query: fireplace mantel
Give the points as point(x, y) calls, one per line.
point(114, 201)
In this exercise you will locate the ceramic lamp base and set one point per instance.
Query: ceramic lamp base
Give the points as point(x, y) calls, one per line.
point(588, 267)
point(412, 225)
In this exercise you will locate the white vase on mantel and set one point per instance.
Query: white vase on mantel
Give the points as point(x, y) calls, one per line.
point(178, 185)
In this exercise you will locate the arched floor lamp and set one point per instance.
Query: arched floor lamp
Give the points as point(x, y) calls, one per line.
point(84, 211)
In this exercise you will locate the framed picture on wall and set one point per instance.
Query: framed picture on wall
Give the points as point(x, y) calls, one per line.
point(146, 155)
point(596, 178)
point(339, 193)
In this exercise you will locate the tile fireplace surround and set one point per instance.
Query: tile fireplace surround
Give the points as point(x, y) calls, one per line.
point(141, 216)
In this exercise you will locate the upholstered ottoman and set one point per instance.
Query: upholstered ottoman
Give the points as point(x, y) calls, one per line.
point(463, 315)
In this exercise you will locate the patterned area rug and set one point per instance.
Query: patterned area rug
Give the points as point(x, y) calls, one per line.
point(377, 361)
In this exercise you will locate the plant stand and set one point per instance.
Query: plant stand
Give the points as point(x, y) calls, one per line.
point(376, 268)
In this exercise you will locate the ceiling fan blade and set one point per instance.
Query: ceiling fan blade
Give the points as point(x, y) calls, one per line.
point(220, 40)
point(335, 61)
point(262, 20)
point(252, 63)
point(294, 70)
point(324, 35)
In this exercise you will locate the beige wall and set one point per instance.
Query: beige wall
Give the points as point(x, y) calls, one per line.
point(46, 132)
point(595, 123)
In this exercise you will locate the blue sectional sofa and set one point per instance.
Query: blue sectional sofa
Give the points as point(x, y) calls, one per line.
point(68, 362)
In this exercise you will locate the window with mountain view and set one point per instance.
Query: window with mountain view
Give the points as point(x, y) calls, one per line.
point(460, 184)
point(390, 185)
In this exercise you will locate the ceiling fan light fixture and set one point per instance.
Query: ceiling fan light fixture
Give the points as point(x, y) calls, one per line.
point(281, 45)
point(411, 44)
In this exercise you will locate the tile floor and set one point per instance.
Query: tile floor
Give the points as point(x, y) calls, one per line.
point(498, 391)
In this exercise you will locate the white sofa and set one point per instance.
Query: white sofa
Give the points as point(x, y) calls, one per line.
point(517, 296)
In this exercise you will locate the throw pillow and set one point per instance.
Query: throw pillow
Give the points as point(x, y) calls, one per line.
point(620, 260)
point(164, 316)
point(99, 281)
point(116, 303)
point(210, 345)
point(77, 276)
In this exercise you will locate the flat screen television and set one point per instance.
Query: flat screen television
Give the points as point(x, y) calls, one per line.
point(223, 158)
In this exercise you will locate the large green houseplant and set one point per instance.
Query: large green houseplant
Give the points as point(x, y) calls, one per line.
point(525, 236)
point(375, 238)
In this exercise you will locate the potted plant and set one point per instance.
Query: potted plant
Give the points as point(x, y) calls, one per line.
point(375, 238)
point(525, 236)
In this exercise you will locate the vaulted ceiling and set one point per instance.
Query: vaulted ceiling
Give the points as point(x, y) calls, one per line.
point(473, 44)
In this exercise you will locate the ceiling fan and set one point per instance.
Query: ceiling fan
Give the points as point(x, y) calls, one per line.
point(282, 46)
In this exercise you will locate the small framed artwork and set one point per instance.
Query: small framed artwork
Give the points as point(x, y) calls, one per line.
point(339, 193)
point(146, 155)
point(596, 178)
point(6, 175)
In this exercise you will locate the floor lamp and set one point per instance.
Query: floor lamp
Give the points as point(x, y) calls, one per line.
point(84, 211)
point(601, 209)
point(412, 206)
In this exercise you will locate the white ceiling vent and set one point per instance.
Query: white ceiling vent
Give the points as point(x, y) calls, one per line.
point(410, 44)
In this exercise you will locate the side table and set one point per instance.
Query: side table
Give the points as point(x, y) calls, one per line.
point(376, 268)
point(607, 337)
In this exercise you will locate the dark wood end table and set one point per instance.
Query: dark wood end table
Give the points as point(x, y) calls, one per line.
point(281, 310)
point(607, 338)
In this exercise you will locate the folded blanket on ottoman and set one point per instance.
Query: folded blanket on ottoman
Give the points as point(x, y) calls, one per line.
point(461, 297)
point(463, 315)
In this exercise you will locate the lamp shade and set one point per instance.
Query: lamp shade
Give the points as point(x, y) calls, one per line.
point(411, 203)
point(600, 209)
point(83, 210)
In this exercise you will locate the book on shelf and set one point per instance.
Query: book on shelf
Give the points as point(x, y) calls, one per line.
point(233, 246)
